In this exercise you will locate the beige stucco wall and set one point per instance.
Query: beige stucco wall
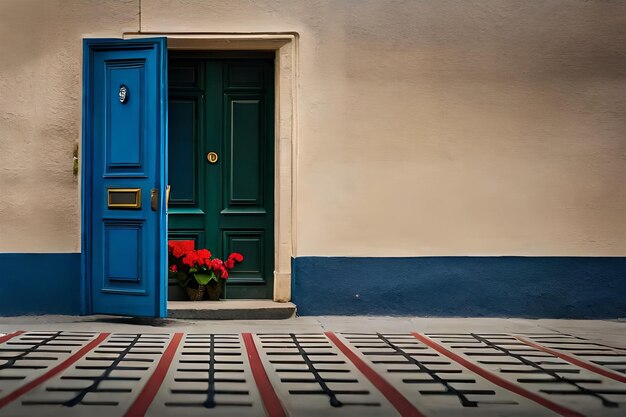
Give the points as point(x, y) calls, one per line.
point(424, 127)
point(40, 115)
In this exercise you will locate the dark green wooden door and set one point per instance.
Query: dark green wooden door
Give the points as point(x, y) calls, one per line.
point(224, 105)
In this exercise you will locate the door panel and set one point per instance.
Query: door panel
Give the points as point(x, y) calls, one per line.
point(122, 241)
point(124, 145)
point(252, 244)
point(244, 153)
point(183, 150)
point(186, 146)
point(234, 210)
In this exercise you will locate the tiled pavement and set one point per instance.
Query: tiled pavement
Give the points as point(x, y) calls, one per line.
point(85, 373)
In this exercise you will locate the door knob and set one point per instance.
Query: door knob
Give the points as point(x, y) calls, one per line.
point(212, 157)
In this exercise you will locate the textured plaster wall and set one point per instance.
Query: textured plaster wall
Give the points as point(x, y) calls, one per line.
point(40, 115)
point(424, 127)
point(448, 127)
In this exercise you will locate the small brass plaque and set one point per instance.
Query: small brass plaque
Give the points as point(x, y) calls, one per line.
point(124, 198)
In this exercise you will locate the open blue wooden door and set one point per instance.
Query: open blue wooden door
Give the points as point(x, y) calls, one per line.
point(125, 177)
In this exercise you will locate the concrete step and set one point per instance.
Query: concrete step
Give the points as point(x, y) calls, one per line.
point(230, 310)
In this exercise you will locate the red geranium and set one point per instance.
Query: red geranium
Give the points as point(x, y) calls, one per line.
point(204, 253)
point(179, 248)
point(236, 256)
point(201, 266)
point(232, 258)
point(190, 259)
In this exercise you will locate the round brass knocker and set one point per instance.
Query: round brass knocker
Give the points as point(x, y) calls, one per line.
point(212, 157)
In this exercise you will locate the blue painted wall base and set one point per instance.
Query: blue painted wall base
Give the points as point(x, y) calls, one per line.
point(535, 287)
point(532, 287)
point(40, 283)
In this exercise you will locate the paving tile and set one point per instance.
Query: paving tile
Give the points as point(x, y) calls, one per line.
point(210, 374)
point(27, 356)
point(396, 372)
point(437, 385)
point(105, 380)
point(313, 378)
point(540, 372)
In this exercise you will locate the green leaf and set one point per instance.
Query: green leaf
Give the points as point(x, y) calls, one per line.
point(204, 279)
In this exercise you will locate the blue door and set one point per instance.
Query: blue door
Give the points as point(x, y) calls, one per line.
point(125, 177)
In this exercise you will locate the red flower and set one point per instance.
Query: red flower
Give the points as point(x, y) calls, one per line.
point(200, 260)
point(216, 265)
point(204, 254)
point(190, 259)
point(180, 248)
point(236, 256)
point(232, 258)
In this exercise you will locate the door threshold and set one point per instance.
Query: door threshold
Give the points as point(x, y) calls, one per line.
point(231, 310)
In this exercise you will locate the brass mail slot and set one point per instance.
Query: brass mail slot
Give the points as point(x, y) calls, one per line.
point(124, 198)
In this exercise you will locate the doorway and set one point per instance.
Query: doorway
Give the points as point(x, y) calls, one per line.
point(221, 162)
point(124, 223)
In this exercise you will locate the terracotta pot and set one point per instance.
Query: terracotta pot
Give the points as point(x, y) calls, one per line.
point(196, 294)
point(214, 290)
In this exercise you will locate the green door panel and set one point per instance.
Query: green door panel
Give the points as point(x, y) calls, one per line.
point(243, 182)
point(224, 105)
point(183, 150)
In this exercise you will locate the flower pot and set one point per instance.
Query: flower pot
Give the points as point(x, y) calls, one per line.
point(214, 290)
point(196, 294)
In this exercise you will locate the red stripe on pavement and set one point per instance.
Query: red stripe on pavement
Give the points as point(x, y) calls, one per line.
point(588, 366)
point(52, 372)
point(566, 412)
point(400, 403)
point(145, 397)
point(10, 336)
point(271, 403)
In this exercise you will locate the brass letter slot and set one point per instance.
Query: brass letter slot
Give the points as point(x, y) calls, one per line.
point(124, 198)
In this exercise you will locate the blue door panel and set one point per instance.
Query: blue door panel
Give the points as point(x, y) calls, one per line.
point(125, 144)
point(125, 135)
point(122, 254)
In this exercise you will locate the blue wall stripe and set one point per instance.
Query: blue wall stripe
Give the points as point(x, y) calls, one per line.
point(41, 283)
point(533, 287)
point(557, 287)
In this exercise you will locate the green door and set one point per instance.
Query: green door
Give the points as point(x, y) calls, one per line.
point(223, 105)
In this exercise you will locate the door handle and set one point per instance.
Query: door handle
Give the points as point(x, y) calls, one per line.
point(154, 199)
